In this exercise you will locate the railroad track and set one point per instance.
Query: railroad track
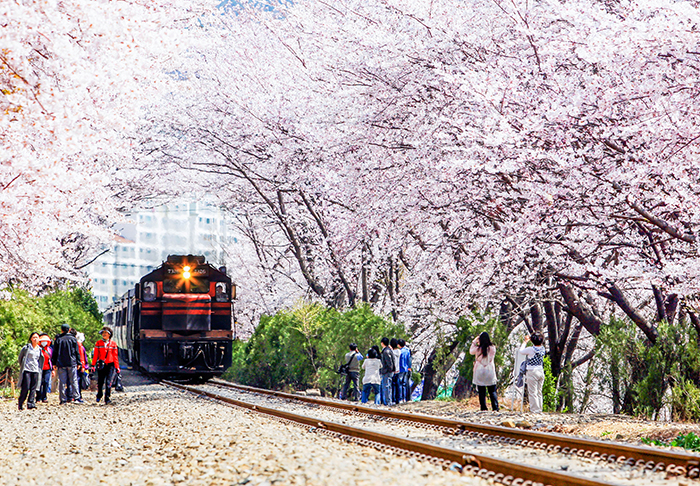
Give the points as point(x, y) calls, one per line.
point(650, 458)
point(500, 470)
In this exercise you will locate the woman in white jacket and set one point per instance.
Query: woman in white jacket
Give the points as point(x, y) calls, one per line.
point(484, 376)
point(535, 370)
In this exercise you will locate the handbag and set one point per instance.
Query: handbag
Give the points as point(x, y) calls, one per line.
point(520, 380)
point(116, 381)
point(100, 364)
point(84, 381)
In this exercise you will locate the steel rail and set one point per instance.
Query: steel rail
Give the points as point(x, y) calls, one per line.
point(502, 471)
point(649, 457)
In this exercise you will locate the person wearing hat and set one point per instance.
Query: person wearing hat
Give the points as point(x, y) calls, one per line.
point(65, 362)
point(105, 359)
point(47, 370)
point(352, 359)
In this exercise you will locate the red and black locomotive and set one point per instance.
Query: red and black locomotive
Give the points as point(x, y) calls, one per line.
point(176, 322)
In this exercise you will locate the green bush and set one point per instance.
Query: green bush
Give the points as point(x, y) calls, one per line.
point(685, 401)
point(302, 347)
point(640, 373)
point(23, 314)
point(690, 442)
point(549, 388)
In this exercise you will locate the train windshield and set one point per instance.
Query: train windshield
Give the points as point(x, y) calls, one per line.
point(181, 286)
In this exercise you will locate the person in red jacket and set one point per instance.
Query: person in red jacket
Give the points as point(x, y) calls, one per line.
point(47, 371)
point(105, 359)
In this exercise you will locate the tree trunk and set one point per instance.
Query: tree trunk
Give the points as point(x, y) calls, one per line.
point(434, 372)
point(461, 389)
point(619, 298)
point(579, 311)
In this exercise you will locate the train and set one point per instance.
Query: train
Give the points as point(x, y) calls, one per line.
point(176, 323)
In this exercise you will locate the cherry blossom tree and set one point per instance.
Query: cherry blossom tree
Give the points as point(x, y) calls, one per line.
point(74, 75)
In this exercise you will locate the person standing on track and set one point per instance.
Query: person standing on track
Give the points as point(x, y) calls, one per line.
point(105, 359)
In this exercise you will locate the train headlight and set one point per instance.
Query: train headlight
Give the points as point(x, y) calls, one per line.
point(186, 272)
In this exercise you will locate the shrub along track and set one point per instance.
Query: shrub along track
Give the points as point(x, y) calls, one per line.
point(502, 471)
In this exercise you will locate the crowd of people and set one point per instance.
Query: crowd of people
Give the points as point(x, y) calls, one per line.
point(64, 361)
point(387, 373)
point(387, 370)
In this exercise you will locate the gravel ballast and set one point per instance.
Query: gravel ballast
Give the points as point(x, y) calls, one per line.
point(151, 435)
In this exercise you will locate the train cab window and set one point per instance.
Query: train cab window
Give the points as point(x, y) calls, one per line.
point(199, 285)
point(221, 292)
point(149, 291)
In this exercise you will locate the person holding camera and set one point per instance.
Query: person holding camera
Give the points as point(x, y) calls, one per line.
point(534, 376)
point(352, 374)
point(484, 375)
point(105, 359)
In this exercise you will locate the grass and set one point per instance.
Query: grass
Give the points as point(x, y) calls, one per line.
point(689, 442)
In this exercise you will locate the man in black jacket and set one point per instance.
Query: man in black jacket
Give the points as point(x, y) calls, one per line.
point(65, 361)
point(386, 371)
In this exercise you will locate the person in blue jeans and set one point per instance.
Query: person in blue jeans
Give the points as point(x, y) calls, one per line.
point(405, 365)
point(372, 379)
point(386, 371)
point(352, 377)
point(47, 371)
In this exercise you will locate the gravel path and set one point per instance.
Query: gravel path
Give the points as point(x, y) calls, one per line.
point(154, 436)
